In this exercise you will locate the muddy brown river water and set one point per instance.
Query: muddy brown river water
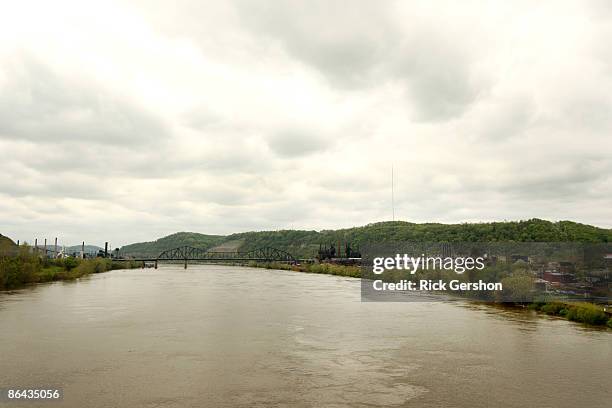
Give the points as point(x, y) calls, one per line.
point(220, 336)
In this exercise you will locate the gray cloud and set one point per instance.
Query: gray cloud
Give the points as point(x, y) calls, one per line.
point(42, 106)
point(360, 45)
point(437, 76)
point(346, 40)
point(297, 142)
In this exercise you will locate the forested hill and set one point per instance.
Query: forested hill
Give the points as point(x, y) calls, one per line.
point(306, 243)
point(7, 246)
point(173, 241)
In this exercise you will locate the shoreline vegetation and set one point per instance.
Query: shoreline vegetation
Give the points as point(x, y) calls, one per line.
point(321, 268)
point(581, 312)
point(27, 268)
point(587, 313)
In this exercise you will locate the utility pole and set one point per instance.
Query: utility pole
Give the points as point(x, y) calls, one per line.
point(45, 253)
point(392, 197)
point(83, 250)
point(55, 247)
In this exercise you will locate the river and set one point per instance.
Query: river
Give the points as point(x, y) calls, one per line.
point(216, 336)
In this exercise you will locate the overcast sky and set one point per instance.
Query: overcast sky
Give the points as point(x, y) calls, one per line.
point(127, 121)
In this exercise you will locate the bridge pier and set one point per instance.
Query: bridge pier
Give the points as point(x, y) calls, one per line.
point(156, 264)
point(185, 263)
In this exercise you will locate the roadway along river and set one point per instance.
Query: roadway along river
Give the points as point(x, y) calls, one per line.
point(213, 336)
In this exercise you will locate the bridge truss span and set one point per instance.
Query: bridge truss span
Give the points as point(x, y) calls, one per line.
point(188, 253)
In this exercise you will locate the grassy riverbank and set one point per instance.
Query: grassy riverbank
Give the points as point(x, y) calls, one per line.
point(583, 312)
point(324, 268)
point(25, 268)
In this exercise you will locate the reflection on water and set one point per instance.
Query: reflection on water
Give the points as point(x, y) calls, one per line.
point(228, 336)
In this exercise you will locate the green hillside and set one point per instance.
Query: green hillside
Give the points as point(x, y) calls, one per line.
point(172, 241)
point(306, 243)
point(7, 246)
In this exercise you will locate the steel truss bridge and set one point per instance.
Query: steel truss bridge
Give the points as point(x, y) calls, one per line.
point(188, 253)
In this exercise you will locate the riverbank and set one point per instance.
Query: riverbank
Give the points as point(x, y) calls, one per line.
point(25, 268)
point(324, 268)
point(587, 313)
point(583, 312)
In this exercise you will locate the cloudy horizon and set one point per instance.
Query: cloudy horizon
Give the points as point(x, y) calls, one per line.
point(127, 121)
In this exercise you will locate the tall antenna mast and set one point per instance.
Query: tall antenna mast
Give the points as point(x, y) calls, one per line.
point(392, 196)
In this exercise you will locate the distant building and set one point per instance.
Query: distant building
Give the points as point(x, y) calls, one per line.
point(557, 277)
